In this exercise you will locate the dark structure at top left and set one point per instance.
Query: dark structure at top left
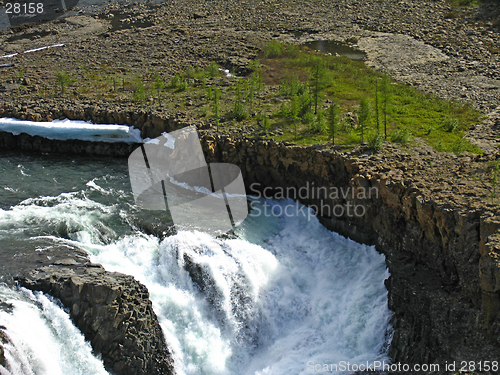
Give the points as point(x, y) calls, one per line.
point(24, 11)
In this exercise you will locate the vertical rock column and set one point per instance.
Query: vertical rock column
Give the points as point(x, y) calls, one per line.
point(489, 273)
point(3, 340)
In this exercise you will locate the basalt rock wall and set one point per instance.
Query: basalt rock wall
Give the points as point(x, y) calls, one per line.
point(3, 340)
point(444, 260)
point(151, 123)
point(27, 142)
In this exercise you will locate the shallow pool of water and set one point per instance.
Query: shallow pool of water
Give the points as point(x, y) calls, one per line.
point(335, 47)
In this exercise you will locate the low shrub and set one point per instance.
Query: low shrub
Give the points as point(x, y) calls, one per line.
point(376, 142)
point(451, 125)
point(401, 136)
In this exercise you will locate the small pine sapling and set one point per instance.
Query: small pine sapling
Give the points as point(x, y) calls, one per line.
point(364, 116)
point(332, 120)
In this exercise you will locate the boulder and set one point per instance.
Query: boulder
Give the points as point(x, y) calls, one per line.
point(112, 310)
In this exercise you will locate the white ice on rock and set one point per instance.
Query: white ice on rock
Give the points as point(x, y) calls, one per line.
point(70, 129)
point(42, 48)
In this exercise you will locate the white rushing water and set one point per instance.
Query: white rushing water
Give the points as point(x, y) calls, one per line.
point(288, 293)
point(42, 340)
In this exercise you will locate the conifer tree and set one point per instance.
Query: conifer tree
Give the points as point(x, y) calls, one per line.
point(216, 106)
point(63, 80)
point(364, 116)
point(376, 106)
point(158, 85)
point(294, 112)
point(319, 81)
point(332, 119)
point(385, 97)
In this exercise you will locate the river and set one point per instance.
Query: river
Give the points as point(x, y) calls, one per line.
point(285, 295)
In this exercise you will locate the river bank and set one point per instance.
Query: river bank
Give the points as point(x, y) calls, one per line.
point(435, 219)
point(90, 215)
point(440, 49)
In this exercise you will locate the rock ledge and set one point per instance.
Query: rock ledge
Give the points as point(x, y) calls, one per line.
point(112, 310)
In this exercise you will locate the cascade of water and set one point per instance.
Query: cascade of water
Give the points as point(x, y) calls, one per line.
point(286, 293)
point(41, 339)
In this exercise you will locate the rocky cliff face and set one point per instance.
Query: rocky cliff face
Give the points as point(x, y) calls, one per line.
point(443, 255)
point(112, 310)
point(3, 340)
point(28, 142)
point(151, 123)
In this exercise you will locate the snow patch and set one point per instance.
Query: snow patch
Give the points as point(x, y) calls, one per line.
point(11, 55)
point(42, 48)
point(33, 50)
point(170, 143)
point(69, 129)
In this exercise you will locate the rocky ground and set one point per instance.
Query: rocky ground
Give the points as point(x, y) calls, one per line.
point(453, 52)
point(464, 63)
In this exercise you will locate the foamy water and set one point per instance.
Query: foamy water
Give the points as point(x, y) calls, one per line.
point(285, 293)
point(42, 340)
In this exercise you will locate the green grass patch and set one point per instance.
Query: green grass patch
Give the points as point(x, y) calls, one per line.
point(287, 96)
point(463, 3)
point(309, 82)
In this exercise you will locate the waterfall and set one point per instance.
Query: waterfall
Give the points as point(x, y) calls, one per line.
point(287, 292)
point(283, 294)
point(41, 339)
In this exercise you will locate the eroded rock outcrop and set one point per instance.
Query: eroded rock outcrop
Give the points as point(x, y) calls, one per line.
point(151, 122)
point(112, 310)
point(27, 142)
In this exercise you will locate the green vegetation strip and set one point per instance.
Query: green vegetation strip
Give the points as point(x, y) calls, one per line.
point(290, 94)
point(465, 2)
point(332, 98)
